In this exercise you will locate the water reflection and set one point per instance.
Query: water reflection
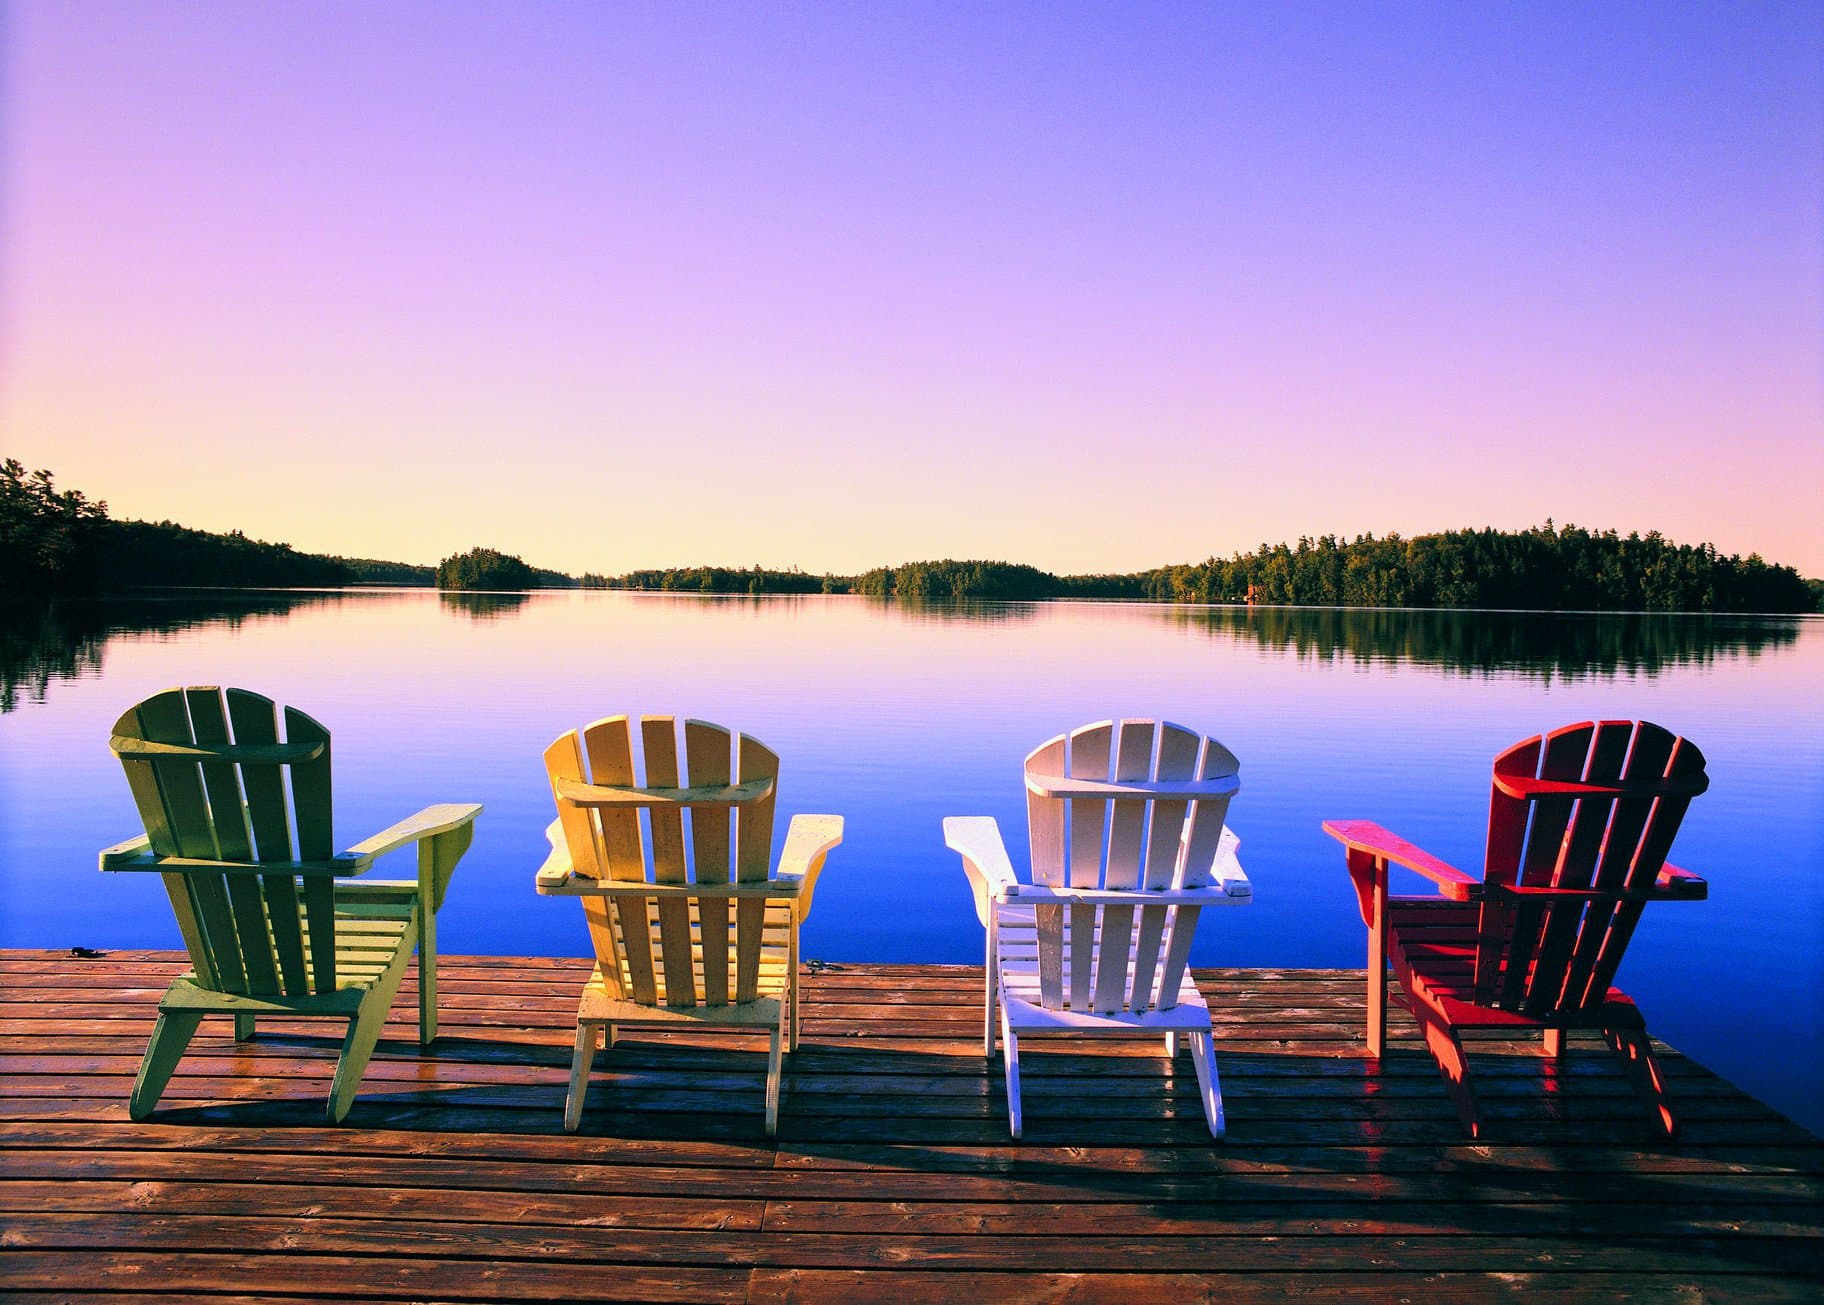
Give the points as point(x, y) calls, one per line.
point(64, 639)
point(483, 605)
point(1548, 646)
point(40, 643)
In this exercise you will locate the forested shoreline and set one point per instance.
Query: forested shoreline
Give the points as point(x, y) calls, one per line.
point(59, 543)
point(1547, 568)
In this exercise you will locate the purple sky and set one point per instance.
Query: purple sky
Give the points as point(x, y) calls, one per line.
point(1094, 287)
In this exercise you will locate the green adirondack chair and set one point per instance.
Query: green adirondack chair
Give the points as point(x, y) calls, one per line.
point(272, 925)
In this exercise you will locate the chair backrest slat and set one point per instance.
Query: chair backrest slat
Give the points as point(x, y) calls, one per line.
point(1202, 841)
point(1604, 753)
point(1508, 818)
point(1126, 857)
point(283, 916)
point(228, 816)
point(706, 752)
point(184, 807)
point(255, 720)
point(310, 789)
point(1549, 955)
point(221, 783)
point(1657, 753)
point(659, 742)
point(1121, 956)
point(1088, 824)
point(209, 899)
point(753, 860)
point(245, 933)
point(1563, 757)
point(1179, 750)
point(320, 922)
point(1045, 819)
point(610, 845)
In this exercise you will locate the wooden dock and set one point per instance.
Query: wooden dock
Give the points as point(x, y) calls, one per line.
point(892, 1178)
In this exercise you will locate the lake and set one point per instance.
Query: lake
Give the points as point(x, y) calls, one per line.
point(896, 715)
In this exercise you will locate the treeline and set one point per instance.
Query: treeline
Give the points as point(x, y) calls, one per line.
point(1547, 568)
point(58, 542)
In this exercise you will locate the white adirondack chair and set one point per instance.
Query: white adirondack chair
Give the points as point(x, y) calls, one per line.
point(1097, 943)
point(664, 954)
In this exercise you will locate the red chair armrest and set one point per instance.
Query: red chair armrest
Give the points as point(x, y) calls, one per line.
point(1674, 882)
point(1366, 836)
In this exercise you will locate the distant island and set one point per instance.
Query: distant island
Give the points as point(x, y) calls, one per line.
point(58, 542)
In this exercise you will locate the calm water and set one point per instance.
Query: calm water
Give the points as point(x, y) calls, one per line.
point(896, 716)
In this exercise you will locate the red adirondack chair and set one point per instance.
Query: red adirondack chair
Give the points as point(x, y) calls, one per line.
point(1579, 824)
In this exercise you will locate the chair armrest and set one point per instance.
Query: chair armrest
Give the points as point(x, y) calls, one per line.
point(121, 855)
point(583, 886)
point(1183, 790)
point(556, 871)
point(978, 840)
point(1383, 846)
point(1212, 895)
point(427, 823)
point(1225, 870)
point(807, 842)
point(1681, 884)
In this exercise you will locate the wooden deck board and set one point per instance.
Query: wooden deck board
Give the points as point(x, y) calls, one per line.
point(893, 1177)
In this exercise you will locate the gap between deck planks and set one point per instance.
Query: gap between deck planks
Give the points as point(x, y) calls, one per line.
point(893, 1177)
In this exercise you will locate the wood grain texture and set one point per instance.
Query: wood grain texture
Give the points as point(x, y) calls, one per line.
point(892, 1178)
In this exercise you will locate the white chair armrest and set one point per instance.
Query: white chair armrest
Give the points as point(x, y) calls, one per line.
point(807, 842)
point(1224, 870)
point(555, 872)
point(978, 840)
point(1208, 895)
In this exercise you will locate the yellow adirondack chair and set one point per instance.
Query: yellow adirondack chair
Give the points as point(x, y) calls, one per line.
point(271, 926)
point(663, 955)
point(1128, 848)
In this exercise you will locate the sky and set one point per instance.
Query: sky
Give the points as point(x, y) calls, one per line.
point(1094, 287)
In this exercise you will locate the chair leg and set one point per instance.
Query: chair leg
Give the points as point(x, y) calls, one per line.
point(1633, 1050)
point(990, 992)
point(1554, 1045)
point(427, 974)
point(1447, 1050)
point(772, 1084)
point(170, 1036)
point(1010, 1051)
point(243, 1027)
point(357, 1045)
point(1171, 1046)
point(587, 1035)
point(1209, 1086)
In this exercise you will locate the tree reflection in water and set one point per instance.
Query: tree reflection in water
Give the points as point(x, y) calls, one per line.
point(1563, 646)
point(65, 639)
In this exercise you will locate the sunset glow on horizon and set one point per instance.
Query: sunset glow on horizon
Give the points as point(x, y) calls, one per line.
point(1095, 288)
